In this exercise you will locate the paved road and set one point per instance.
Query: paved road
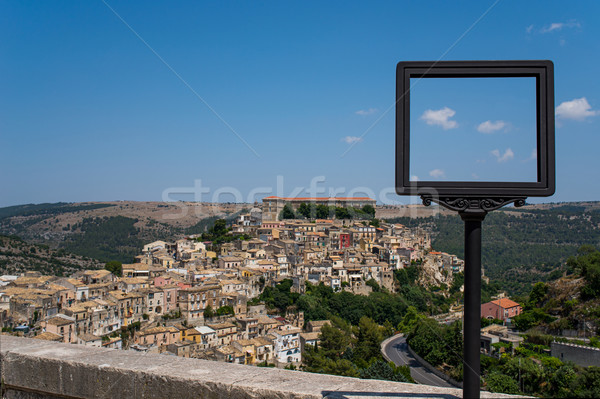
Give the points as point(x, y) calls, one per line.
point(396, 350)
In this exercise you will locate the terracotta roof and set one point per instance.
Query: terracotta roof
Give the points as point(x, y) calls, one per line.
point(321, 198)
point(505, 303)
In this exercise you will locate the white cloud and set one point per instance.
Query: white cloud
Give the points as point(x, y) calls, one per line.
point(577, 109)
point(556, 26)
point(533, 154)
point(437, 173)
point(553, 26)
point(352, 139)
point(507, 156)
point(529, 29)
point(414, 178)
point(366, 112)
point(440, 117)
point(491, 127)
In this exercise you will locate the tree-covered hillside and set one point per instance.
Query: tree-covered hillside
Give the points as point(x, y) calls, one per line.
point(111, 230)
point(520, 247)
point(18, 256)
point(106, 239)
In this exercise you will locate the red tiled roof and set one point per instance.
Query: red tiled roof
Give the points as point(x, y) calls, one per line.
point(321, 198)
point(505, 303)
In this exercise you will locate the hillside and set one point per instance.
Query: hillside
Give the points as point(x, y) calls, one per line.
point(17, 256)
point(521, 246)
point(571, 302)
point(109, 230)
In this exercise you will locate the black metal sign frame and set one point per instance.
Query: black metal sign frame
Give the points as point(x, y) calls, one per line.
point(542, 71)
point(473, 200)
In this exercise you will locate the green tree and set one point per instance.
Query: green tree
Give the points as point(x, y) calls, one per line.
point(531, 318)
point(208, 312)
point(341, 367)
point(498, 382)
point(304, 210)
point(380, 370)
point(409, 320)
point(115, 267)
point(342, 213)
point(373, 284)
point(537, 295)
point(370, 336)
point(287, 212)
point(322, 211)
point(219, 229)
point(529, 373)
point(333, 341)
point(369, 210)
point(224, 310)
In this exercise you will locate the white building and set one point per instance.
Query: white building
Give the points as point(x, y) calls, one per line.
point(286, 342)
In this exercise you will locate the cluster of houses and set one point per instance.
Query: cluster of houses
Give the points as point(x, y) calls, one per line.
point(190, 298)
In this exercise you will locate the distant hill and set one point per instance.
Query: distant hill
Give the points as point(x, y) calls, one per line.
point(521, 246)
point(109, 230)
point(17, 256)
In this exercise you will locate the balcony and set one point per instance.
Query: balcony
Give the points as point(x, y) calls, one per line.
point(40, 369)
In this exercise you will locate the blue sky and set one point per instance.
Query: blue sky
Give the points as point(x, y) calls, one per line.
point(480, 129)
point(157, 98)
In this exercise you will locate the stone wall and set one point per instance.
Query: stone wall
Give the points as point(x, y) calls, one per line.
point(33, 368)
point(578, 354)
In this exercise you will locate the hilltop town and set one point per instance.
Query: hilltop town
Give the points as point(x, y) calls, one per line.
point(198, 296)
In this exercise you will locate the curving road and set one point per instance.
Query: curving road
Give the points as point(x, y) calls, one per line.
point(396, 350)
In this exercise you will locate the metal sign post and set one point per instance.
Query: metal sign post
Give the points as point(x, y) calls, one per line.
point(472, 212)
point(474, 199)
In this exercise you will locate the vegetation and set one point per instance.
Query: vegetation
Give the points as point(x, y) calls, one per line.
point(567, 302)
point(207, 224)
point(287, 212)
point(106, 239)
point(438, 344)
point(219, 233)
point(18, 256)
point(587, 265)
point(312, 211)
point(353, 351)
point(351, 346)
point(115, 267)
point(47, 209)
point(530, 371)
point(102, 238)
point(209, 312)
point(225, 310)
point(522, 247)
point(527, 369)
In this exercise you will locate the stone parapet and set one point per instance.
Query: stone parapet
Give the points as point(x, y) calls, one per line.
point(33, 368)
